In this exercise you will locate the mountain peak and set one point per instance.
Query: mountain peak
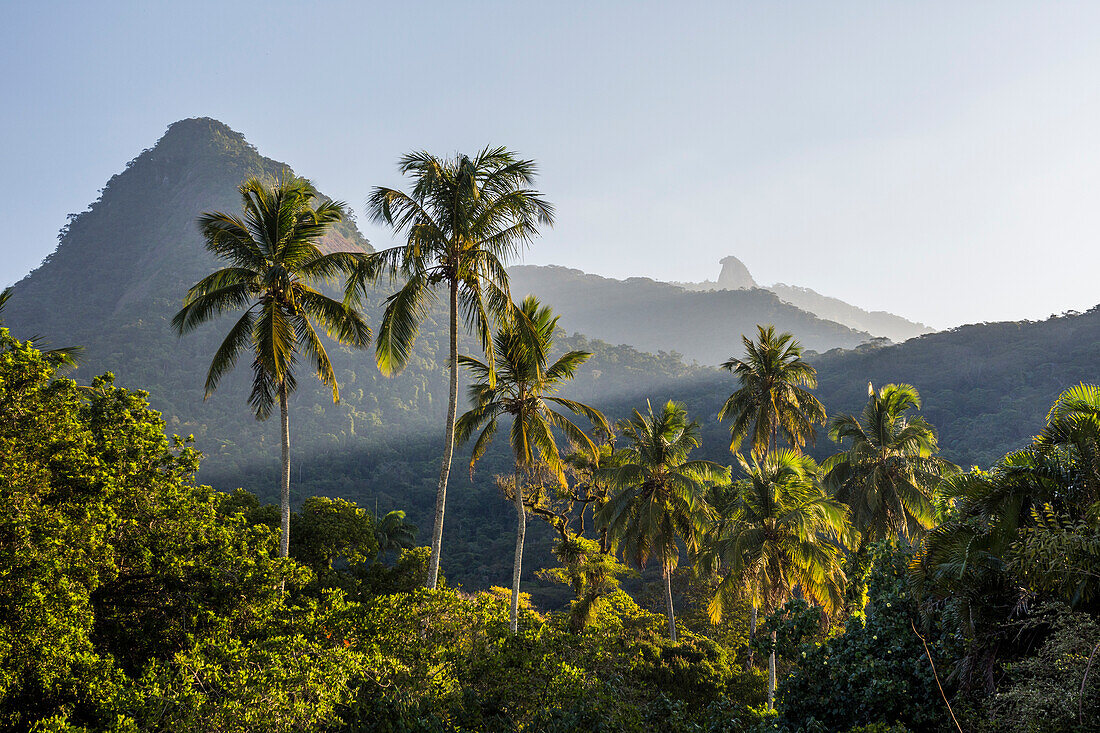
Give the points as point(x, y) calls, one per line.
point(734, 275)
point(139, 240)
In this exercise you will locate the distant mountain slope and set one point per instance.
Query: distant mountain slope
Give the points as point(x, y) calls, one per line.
point(986, 387)
point(735, 276)
point(656, 316)
point(879, 323)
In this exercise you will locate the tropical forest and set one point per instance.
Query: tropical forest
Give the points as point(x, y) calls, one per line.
point(260, 475)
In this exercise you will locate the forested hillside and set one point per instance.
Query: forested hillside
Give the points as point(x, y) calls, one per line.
point(879, 323)
point(652, 316)
point(123, 266)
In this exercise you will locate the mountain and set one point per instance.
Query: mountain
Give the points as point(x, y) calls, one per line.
point(138, 242)
point(735, 276)
point(655, 316)
point(879, 323)
point(120, 273)
point(122, 267)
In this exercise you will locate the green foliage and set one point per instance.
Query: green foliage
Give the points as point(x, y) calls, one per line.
point(332, 537)
point(1049, 691)
point(592, 573)
point(275, 683)
point(112, 559)
point(876, 672)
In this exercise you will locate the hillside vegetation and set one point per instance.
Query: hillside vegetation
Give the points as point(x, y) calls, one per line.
point(781, 546)
point(123, 266)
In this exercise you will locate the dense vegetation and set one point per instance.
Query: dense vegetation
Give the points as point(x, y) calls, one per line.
point(124, 266)
point(886, 587)
point(138, 600)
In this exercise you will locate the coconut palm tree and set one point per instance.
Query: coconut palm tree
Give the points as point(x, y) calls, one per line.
point(272, 262)
point(393, 532)
point(522, 384)
point(462, 219)
point(773, 399)
point(659, 496)
point(777, 530)
point(889, 470)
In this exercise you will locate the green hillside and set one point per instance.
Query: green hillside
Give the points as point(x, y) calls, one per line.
point(123, 266)
point(652, 316)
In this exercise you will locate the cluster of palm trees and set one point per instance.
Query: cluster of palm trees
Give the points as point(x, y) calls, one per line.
point(782, 528)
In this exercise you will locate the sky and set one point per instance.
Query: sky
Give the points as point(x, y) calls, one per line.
point(939, 160)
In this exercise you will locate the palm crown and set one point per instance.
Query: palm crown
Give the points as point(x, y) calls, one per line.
point(659, 495)
point(525, 388)
point(774, 397)
point(889, 470)
point(273, 257)
point(462, 219)
point(777, 529)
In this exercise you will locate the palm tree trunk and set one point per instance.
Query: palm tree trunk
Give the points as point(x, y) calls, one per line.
point(284, 493)
point(771, 675)
point(449, 444)
point(752, 635)
point(521, 528)
point(668, 602)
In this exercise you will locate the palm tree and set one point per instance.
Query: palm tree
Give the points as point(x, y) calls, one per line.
point(273, 259)
point(1073, 425)
point(777, 530)
point(521, 384)
point(889, 470)
point(660, 495)
point(462, 219)
point(774, 397)
point(393, 532)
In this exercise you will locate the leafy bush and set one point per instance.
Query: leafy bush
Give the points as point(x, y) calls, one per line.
point(876, 672)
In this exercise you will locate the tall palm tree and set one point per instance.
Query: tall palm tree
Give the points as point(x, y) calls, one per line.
point(463, 218)
point(659, 495)
point(889, 470)
point(777, 530)
point(272, 262)
point(521, 384)
point(773, 399)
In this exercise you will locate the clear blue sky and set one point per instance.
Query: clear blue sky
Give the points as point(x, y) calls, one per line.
point(939, 160)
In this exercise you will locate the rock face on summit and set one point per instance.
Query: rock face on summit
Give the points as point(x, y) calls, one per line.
point(734, 275)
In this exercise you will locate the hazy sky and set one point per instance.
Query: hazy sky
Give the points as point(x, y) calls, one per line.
point(938, 160)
